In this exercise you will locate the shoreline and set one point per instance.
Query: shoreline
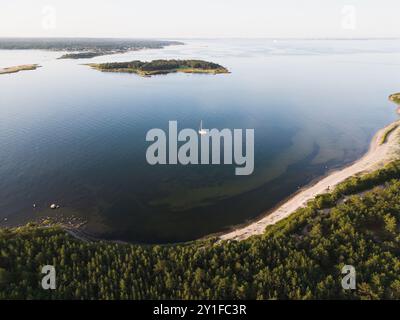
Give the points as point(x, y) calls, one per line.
point(379, 153)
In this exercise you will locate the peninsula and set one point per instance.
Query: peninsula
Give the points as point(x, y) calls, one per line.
point(155, 67)
point(19, 68)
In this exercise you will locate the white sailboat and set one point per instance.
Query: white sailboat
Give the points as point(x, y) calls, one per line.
point(202, 131)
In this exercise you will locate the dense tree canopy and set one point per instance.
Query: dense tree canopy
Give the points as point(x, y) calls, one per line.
point(160, 65)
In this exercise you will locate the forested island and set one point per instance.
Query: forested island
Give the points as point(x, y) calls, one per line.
point(15, 69)
point(79, 48)
point(300, 257)
point(84, 55)
point(161, 67)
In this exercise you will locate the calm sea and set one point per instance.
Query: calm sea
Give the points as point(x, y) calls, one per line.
point(76, 137)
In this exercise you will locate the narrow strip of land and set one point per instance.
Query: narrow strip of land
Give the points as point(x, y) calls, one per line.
point(384, 148)
point(19, 68)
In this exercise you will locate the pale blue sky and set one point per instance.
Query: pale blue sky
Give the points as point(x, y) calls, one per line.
point(205, 18)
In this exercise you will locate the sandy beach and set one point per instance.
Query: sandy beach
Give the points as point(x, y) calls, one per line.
point(384, 147)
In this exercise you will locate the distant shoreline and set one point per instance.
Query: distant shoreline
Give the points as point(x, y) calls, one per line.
point(84, 48)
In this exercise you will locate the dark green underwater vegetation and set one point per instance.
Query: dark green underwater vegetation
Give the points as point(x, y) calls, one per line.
point(300, 257)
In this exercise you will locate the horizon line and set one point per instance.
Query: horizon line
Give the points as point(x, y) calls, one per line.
point(204, 38)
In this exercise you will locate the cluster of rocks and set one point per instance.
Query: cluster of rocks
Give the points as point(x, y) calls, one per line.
point(62, 220)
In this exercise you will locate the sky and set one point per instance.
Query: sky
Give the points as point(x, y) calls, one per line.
point(200, 18)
